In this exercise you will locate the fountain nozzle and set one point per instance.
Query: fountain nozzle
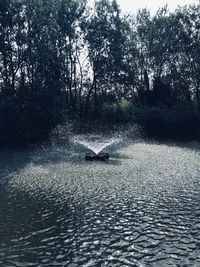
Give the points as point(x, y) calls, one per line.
point(99, 156)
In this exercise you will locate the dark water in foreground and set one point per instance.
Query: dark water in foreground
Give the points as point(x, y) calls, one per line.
point(140, 209)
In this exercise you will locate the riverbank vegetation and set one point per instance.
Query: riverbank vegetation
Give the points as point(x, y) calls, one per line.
point(62, 59)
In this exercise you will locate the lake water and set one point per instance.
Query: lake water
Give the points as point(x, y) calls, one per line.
point(142, 208)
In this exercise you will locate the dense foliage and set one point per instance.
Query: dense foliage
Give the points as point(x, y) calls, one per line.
point(62, 58)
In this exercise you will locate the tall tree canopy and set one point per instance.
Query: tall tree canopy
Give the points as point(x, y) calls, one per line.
point(61, 58)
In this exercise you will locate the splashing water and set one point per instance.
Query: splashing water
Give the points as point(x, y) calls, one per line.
point(95, 143)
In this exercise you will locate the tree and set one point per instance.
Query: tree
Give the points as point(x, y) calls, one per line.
point(105, 36)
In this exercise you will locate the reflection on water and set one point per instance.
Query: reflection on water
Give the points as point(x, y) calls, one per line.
point(140, 209)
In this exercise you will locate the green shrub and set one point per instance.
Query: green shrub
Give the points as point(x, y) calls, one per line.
point(178, 122)
point(118, 112)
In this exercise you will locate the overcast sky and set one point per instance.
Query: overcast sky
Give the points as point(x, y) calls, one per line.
point(133, 5)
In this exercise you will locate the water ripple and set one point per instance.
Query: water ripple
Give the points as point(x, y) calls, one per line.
point(141, 211)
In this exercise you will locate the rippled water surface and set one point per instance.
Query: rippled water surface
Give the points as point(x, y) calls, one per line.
point(140, 209)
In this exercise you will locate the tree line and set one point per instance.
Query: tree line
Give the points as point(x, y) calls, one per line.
point(63, 59)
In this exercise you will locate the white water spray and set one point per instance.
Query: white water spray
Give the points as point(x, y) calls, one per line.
point(95, 143)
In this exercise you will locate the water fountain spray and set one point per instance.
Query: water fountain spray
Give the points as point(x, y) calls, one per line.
point(96, 144)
